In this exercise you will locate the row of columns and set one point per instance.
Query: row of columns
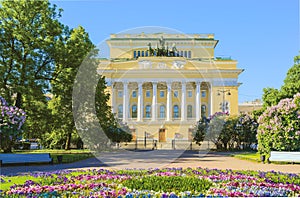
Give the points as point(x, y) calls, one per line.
point(154, 101)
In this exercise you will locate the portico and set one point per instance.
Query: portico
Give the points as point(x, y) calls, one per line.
point(162, 96)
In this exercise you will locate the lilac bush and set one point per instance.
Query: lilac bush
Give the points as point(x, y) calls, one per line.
point(11, 121)
point(279, 127)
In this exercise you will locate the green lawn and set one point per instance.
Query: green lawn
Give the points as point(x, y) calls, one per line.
point(248, 156)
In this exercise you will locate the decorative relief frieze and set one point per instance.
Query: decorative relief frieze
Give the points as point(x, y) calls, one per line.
point(145, 64)
point(178, 64)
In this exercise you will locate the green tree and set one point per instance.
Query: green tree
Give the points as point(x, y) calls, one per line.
point(77, 47)
point(290, 87)
point(31, 39)
point(291, 84)
point(30, 36)
point(200, 130)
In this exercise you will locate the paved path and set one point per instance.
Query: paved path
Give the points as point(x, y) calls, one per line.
point(157, 159)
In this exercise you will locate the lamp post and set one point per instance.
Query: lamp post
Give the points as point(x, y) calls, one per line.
point(223, 101)
point(145, 141)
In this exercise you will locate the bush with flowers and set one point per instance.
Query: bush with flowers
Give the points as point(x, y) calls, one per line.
point(279, 127)
point(11, 121)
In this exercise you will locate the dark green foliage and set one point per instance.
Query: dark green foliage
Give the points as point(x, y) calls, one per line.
point(200, 130)
point(290, 87)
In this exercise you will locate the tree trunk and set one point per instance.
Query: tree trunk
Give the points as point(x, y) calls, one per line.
point(18, 100)
point(68, 142)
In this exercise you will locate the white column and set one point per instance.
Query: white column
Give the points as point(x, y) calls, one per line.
point(183, 101)
point(211, 109)
point(140, 102)
point(198, 100)
point(154, 100)
point(125, 101)
point(169, 101)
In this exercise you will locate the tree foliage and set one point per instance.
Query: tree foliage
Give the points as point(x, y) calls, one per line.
point(290, 87)
point(200, 130)
point(227, 132)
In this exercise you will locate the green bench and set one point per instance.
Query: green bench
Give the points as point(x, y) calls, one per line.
point(284, 156)
point(32, 158)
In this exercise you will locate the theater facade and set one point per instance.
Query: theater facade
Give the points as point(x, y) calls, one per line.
point(161, 84)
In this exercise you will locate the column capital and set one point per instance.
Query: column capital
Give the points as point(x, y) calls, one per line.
point(198, 82)
point(169, 83)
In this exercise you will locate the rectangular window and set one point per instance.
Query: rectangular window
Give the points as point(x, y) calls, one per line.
point(134, 94)
point(190, 93)
point(120, 94)
point(176, 94)
point(203, 94)
point(148, 94)
point(162, 94)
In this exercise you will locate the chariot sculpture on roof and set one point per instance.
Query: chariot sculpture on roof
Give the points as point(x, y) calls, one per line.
point(162, 49)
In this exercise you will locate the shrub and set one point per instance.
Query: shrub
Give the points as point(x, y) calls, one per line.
point(279, 127)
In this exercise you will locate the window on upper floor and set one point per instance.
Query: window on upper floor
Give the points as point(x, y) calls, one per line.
point(162, 94)
point(203, 94)
point(190, 93)
point(176, 94)
point(120, 94)
point(148, 94)
point(134, 94)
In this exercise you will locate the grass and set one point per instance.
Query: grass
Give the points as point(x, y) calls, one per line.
point(8, 181)
point(251, 156)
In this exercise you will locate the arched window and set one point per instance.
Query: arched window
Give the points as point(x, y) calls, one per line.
point(189, 111)
point(185, 54)
point(162, 111)
point(139, 53)
point(134, 54)
point(175, 111)
point(134, 111)
point(148, 111)
point(203, 110)
point(189, 54)
point(143, 53)
point(120, 111)
point(146, 53)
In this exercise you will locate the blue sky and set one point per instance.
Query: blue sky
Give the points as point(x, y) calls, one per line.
point(262, 35)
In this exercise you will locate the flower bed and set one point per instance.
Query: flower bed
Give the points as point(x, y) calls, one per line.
point(169, 182)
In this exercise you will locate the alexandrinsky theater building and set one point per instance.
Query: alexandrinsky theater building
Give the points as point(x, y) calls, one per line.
point(161, 84)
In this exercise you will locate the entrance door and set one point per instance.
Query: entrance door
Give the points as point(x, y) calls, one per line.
point(162, 135)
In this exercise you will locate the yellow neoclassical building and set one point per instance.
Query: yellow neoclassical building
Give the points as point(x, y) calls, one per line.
point(162, 84)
